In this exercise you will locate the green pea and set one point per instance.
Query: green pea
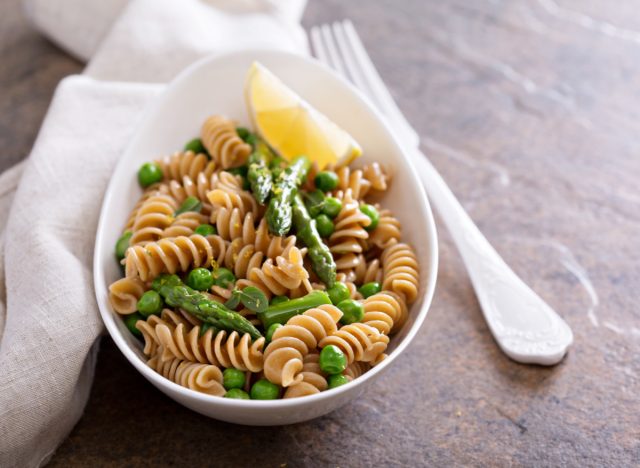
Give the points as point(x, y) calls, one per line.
point(326, 181)
point(150, 303)
point(123, 244)
point(324, 225)
point(264, 390)
point(278, 300)
point(352, 311)
point(233, 378)
point(331, 207)
point(131, 320)
point(149, 174)
point(336, 380)
point(223, 277)
point(369, 289)
point(243, 133)
point(237, 394)
point(373, 215)
point(205, 230)
point(332, 360)
point(271, 330)
point(200, 279)
point(338, 293)
point(196, 146)
point(189, 204)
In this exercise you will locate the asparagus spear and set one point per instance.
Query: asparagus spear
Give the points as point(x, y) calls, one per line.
point(284, 189)
point(319, 253)
point(259, 175)
point(281, 313)
point(177, 294)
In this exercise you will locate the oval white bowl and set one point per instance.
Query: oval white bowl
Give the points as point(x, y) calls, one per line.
point(214, 85)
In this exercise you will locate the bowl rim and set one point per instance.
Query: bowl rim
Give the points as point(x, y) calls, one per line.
point(100, 288)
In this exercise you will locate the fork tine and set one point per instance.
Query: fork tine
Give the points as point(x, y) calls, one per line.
point(318, 45)
point(351, 63)
point(334, 58)
point(369, 73)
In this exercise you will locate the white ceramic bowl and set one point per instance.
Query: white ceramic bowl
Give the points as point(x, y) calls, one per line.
point(215, 86)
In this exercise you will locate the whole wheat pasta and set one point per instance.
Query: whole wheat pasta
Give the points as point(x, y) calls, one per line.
point(385, 311)
point(184, 225)
point(313, 379)
point(279, 276)
point(210, 299)
point(400, 271)
point(354, 181)
point(168, 256)
point(153, 217)
point(223, 144)
point(367, 271)
point(346, 241)
point(169, 318)
point(188, 187)
point(204, 378)
point(356, 369)
point(359, 342)
point(186, 164)
point(283, 357)
point(219, 348)
point(124, 294)
point(387, 232)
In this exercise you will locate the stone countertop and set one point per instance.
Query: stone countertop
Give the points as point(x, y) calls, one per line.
point(530, 111)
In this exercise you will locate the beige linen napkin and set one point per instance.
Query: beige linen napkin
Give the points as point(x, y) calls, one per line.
point(49, 322)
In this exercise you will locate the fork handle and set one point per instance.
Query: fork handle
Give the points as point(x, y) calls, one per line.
point(524, 326)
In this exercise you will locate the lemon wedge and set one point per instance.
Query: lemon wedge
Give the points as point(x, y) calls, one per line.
point(291, 126)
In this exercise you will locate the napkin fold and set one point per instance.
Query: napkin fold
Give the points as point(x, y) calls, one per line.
point(49, 321)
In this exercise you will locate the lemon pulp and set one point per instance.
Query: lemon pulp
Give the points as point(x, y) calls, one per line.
point(291, 126)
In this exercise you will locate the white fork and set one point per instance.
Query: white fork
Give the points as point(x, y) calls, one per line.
point(524, 326)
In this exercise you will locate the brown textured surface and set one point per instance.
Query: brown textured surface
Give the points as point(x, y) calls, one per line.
point(530, 111)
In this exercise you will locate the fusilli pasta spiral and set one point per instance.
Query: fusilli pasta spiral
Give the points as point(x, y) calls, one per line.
point(220, 348)
point(271, 246)
point(152, 218)
point(124, 294)
point(313, 379)
point(354, 181)
point(345, 242)
point(359, 342)
point(378, 177)
point(279, 276)
point(356, 369)
point(155, 189)
point(204, 378)
point(168, 318)
point(366, 272)
point(184, 224)
point(283, 357)
point(385, 311)
point(400, 271)
point(387, 232)
point(189, 187)
point(168, 256)
point(222, 142)
point(186, 164)
point(230, 205)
